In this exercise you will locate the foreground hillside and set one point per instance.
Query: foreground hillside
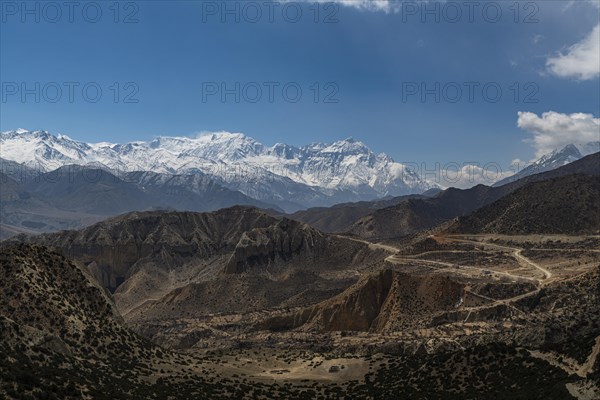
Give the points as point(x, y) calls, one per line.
point(62, 339)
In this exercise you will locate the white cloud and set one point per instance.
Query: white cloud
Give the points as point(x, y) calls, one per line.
point(471, 175)
point(554, 130)
point(367, 5)
point(516, 162)
point(568, 4)
point(396, 5)
point(581, 61)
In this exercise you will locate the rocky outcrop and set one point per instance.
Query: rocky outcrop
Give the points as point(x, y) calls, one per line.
point(279, 242)
point(386, 301)
point(358, 310)
point(159, 262)
point(116, 248)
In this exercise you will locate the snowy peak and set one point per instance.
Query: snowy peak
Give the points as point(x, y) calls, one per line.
point(558, 158)
point(226, 146)
point(41, 150)
point(568, 154)
point(348, 145)
point(24, 134)
point(555, 159)
point(316, 174)
point(284, 151)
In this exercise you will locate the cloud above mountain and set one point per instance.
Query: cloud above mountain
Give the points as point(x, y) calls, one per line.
point(581, 61)
point(553, 130)
point(470, 175)
point(366, 5)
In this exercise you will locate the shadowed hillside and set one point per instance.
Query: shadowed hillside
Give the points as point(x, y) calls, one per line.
point(418, 214)
point(569, 205)
point(341, 217)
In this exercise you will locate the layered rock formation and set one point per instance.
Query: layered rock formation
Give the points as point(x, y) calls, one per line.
point(278, 242)
point(160, 264)
point(382, 302)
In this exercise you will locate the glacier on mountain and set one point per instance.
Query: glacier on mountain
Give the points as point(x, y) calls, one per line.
point(318, 174)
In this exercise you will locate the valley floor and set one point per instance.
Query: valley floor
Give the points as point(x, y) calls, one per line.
point(444, 316)
point(504, 279)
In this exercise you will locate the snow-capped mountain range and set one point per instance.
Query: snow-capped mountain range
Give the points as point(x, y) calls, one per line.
point(293, 177)
point(553, 160)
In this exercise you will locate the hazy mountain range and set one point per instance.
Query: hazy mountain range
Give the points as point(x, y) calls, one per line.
point(291, 177)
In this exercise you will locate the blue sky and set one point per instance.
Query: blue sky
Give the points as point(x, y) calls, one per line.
point(367, 59)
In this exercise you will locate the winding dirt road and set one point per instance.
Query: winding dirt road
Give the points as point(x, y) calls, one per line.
point(516, 253)
point(523, 261)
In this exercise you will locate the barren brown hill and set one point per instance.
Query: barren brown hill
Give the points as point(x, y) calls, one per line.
point(569, 205)
point(166, 264)
point(114, 249)
point(418, 214)
point(385, 301)
point(415, 215)
point(341, 217)
point(282, 240)
point(331, 219)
